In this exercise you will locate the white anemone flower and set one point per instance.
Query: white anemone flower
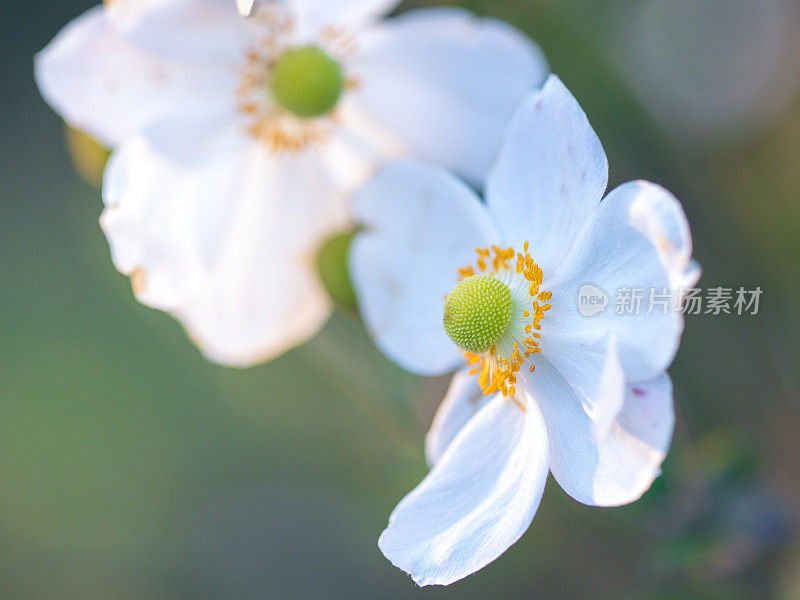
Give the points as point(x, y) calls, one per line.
point(544, 388)
point(237, 141)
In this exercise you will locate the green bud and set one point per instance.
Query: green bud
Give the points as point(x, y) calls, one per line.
point(477, 312)
point(332, 265)
point(307, 82)
point(88, 155)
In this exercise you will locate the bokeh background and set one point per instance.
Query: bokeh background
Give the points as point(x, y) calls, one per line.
point(132, 469)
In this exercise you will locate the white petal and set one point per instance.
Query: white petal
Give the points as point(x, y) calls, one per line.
point(477, 501)
point(210, 32)
point(463, 401)
point(631, 243)
point(352, 14)
point(421, 225)
point(446, 83)
point(100, 83)
point(361, 132)
point(648, 413)
point(593, 372)
point(630, 456)
point(549, 177)
point(166, 222)
point(216, 246)
point(126, 13)
point(190, 138)
point(580, 401)
point(660, 217)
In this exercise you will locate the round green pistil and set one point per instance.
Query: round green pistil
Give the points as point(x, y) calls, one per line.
point(307, 82)
point(477, 312)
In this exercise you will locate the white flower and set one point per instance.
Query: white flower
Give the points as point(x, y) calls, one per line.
point(236, 141)
point(545, 389)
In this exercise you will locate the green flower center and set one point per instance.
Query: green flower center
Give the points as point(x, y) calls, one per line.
point(307, 82)
point(477, 312)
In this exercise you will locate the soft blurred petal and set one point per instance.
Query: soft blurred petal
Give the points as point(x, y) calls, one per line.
point(102, 84)
point(208, 32)
point(446, 84)
point(214, 245)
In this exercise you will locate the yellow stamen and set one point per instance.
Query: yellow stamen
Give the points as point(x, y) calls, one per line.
point(496, 372)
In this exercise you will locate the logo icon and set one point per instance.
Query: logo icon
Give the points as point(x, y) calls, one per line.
point(591, 300)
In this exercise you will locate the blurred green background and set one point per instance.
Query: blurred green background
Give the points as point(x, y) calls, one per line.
point(132, 469)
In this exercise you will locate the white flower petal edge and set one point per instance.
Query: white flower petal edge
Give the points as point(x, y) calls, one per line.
point(630, 456)
point(119, 88)
point(477, 501)
point(452, 110)
point(623, 246)
point(550, 174)
point(412, 212)
point(615, 468)
point(658, 215)
point(463, 400)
